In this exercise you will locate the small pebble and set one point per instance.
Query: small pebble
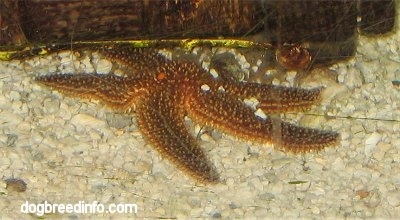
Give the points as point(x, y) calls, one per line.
point(216, 214)
point(51, 105)
point(103, 66)
point(371, 142)
point(15, 185)
point(87, 120)
point(394, 198)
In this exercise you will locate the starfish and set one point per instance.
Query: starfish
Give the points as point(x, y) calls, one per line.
point(162, 92)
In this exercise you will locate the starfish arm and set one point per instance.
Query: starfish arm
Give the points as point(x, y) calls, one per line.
point(138, 61)
point(228, 114)
point(163, 126)
point(275, 99)
point(116, 91)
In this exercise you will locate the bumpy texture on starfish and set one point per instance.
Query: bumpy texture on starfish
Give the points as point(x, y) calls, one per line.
point(162, 92)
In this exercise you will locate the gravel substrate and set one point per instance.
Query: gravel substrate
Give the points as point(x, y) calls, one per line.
point(67, 150)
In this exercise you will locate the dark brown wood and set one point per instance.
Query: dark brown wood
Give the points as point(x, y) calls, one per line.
point(280, 21)
point(11, 32)
point(327, 28)
point(289, 21)
point(377, 17)
point(49, 21)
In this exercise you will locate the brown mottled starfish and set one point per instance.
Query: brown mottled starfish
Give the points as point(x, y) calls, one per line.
point(162, 92)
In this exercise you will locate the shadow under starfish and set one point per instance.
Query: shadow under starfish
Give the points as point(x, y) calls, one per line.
point(162, 92)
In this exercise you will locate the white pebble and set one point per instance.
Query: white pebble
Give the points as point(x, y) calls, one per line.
point(254, 68)
point(371, 143)
point(353, 78)
point(103, 66)
point(338, 164)
point(369, 71)
point(10, 118)
point(14, 95)
point(4, 102)
point(87, 120)
point(214, 73)
point(251, 102)
point(205, 87)
point(5, 162)
point(394, 198)
point(51, 105)
point(260, 113)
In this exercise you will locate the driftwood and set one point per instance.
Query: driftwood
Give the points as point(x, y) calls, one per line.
point(316, 23)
